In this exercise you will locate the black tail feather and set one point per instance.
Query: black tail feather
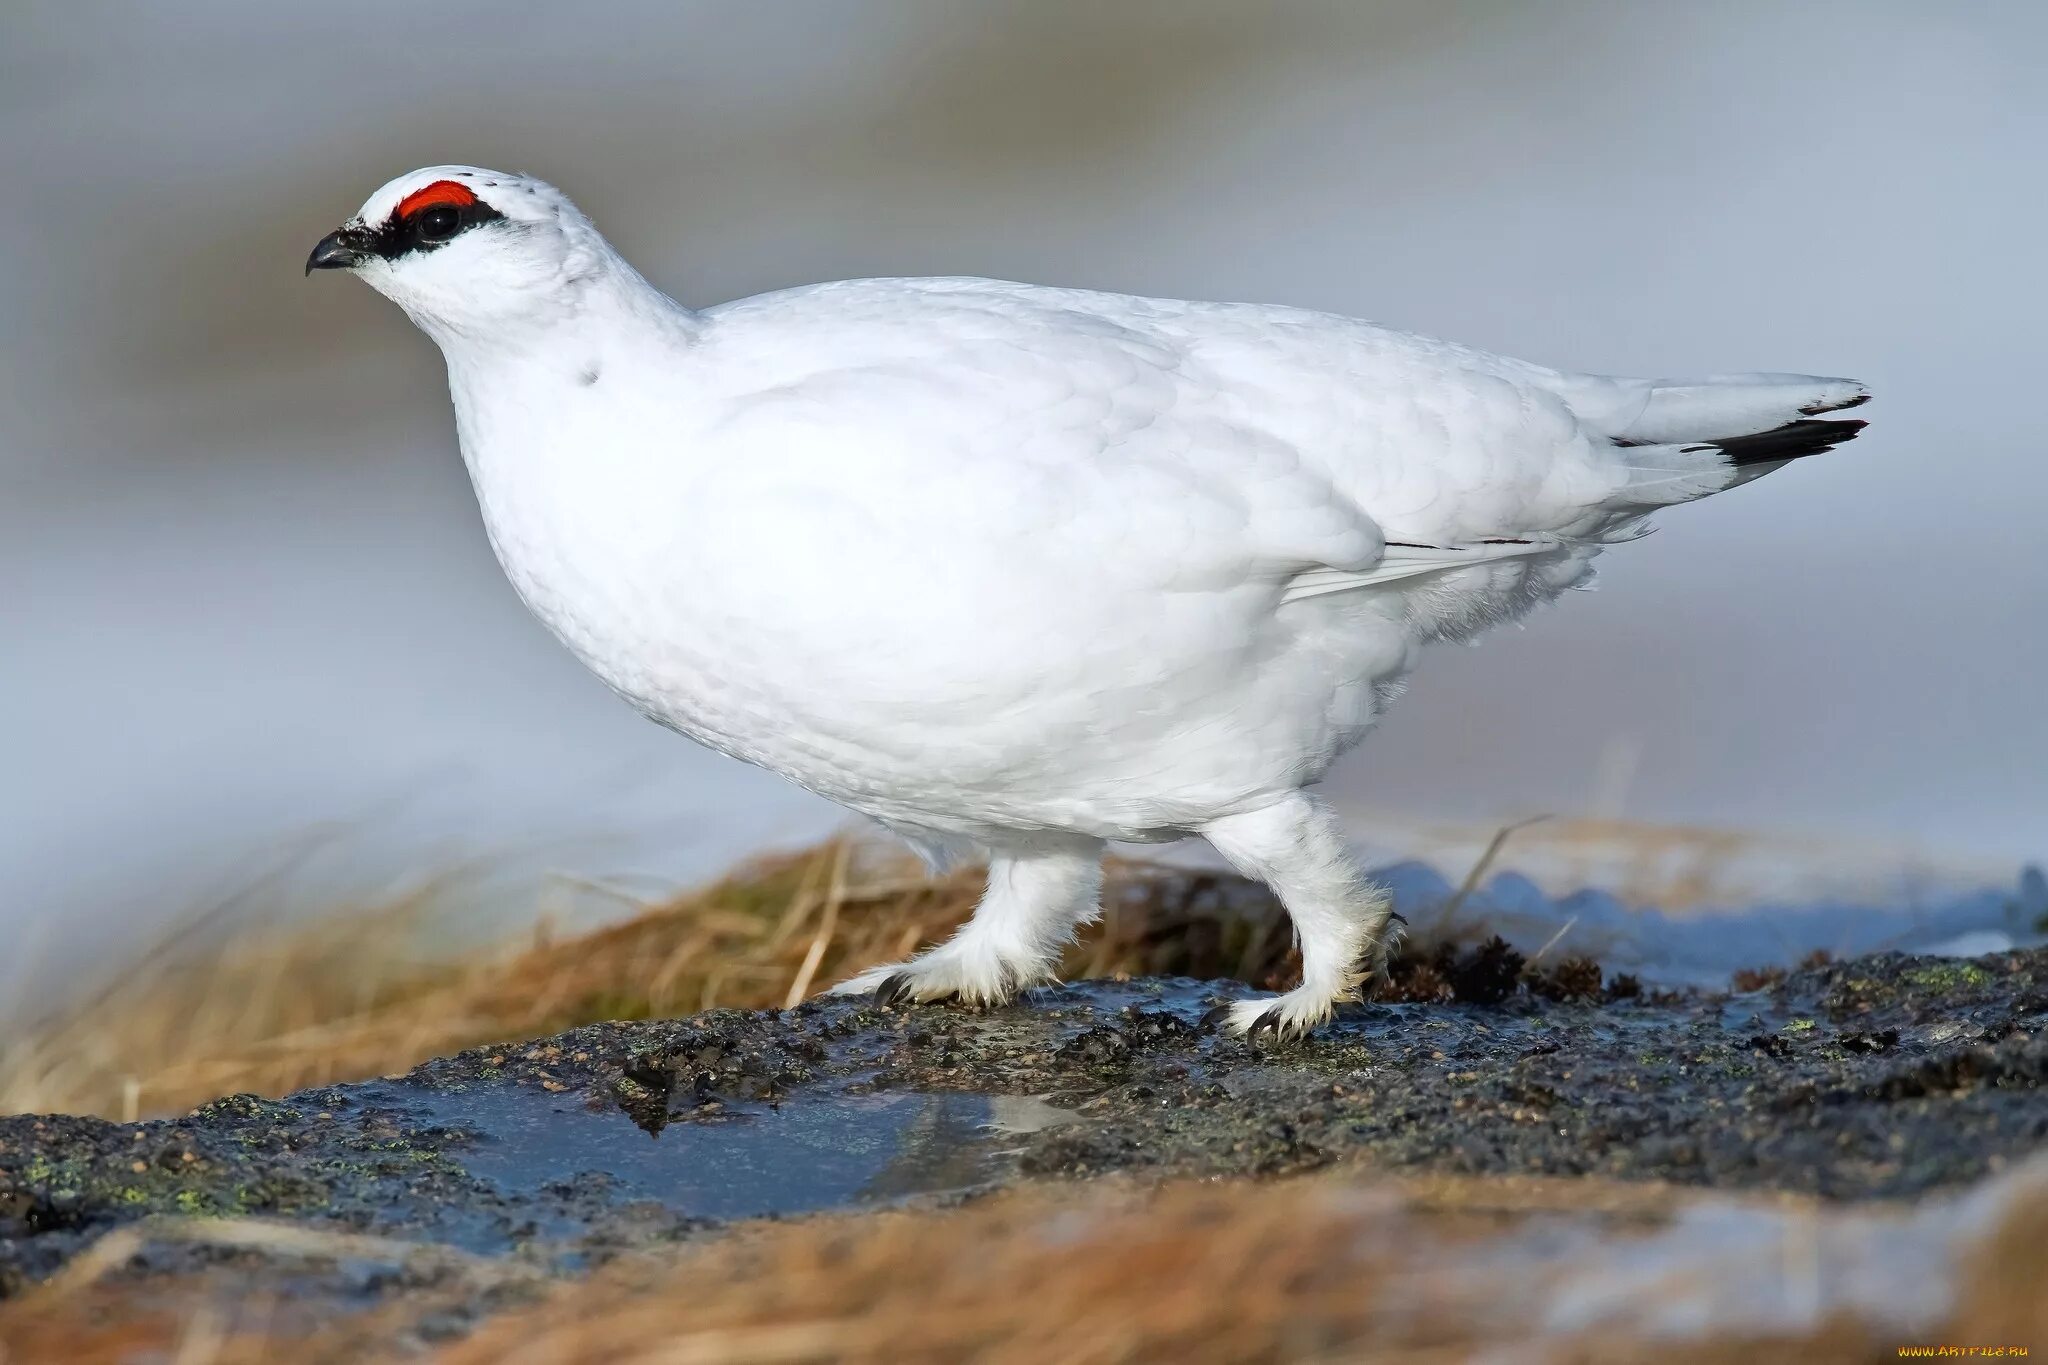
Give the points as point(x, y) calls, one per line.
point(1788, 442)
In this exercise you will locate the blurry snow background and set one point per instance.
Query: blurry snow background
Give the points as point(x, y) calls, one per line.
point(252, 626)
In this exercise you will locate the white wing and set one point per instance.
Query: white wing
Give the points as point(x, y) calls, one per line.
point(1220, 443)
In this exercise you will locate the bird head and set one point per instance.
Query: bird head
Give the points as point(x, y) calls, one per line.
point(465, 250)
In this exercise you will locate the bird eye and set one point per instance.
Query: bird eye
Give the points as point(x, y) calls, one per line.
point(439, 223)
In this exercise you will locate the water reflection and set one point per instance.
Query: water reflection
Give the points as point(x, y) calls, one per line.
point(814, 1153)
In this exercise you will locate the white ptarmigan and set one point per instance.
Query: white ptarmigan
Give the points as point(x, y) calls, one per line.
point(1018, 569)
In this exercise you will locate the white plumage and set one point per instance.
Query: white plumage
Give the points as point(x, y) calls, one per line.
point(1021, 569)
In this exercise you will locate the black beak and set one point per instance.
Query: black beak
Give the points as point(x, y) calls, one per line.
point(338, 250)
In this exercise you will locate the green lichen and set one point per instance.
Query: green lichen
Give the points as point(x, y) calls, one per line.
point(1944, 977)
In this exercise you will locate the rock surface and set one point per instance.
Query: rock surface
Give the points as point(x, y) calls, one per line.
point(1886, 1076)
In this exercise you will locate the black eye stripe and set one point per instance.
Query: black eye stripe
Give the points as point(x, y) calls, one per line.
point(427, 229)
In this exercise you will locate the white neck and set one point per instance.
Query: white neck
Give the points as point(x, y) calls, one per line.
point(604, 297)
point(531, 386)
point(571, 462)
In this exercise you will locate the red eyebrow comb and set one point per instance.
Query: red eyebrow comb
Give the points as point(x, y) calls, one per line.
point(440, 192)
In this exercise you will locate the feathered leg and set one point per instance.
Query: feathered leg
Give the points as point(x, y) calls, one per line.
point(1038, 895)
point(1341, 921)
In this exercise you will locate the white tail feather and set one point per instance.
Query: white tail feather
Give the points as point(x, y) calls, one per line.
point(1656, 411)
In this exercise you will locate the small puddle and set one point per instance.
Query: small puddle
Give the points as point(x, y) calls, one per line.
point(811, 1153)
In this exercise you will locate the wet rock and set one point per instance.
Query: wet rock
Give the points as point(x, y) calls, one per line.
point(1881, 1076)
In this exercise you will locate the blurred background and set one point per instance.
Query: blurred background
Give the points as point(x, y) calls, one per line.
point(254, 637)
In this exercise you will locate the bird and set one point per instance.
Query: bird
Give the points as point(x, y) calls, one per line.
point(1016, 571)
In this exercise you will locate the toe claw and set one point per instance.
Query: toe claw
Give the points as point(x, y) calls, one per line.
point(900, 988)
point(1214, 1018)
point(1269, 1022)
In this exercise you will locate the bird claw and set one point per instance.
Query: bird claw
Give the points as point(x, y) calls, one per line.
point(1263, 1018)
point(896, 989)
point(1269, 1021)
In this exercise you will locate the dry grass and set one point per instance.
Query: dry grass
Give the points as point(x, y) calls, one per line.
point(219, 1008)
point(154, 1036)
point(2006, 1279)
point(1341, 1266)
point(1319, 1269)
point(354, 995)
